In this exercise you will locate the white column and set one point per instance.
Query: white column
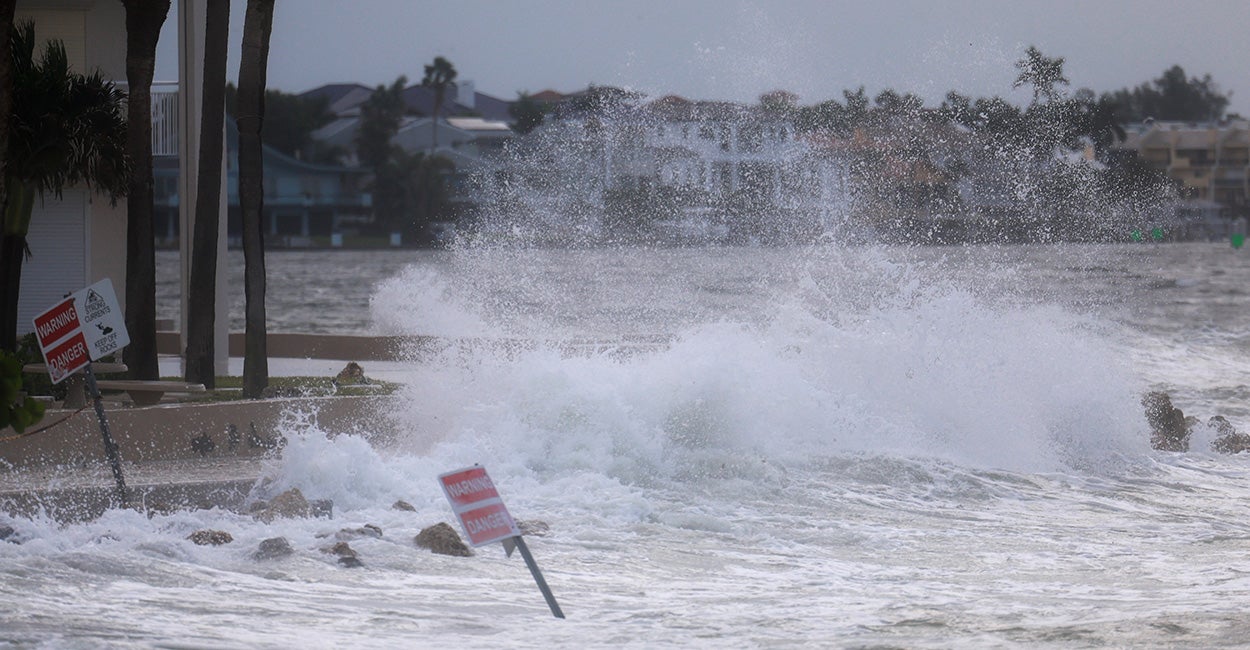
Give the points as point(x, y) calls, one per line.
point(191, 18)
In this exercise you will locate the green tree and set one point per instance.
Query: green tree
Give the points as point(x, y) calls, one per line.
point(202, 311)
point(7, 10)
point(65, 128)
point(292, 119)
point(1172, 96)
point(15, 411)
point(144, 19)
point(1042, 73)
point(253, 67)
point(529, 114)
point(438, 76)
point(380, 116)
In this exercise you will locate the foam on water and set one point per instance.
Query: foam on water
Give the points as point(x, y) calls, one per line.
point(936, 463)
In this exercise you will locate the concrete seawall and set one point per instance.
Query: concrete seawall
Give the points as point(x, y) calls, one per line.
point(189, 431)
point(173, 455)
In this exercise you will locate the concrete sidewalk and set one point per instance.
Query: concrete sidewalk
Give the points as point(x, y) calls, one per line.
point(80, 493)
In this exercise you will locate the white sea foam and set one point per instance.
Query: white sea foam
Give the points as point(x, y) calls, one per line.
point(938, 462)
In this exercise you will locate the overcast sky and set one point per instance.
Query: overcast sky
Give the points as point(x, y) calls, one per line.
point(738, 49)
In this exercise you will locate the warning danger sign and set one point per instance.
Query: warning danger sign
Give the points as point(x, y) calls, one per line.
point(476, 503)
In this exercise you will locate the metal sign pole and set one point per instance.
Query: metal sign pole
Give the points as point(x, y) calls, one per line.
point(538, 576)
point(110, 447)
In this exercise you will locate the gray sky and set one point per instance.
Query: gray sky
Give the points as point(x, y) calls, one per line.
point(738, 49)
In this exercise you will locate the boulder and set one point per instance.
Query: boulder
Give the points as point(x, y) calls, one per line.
point(368, 530)
point(321, 508)
point(347, 555)
point(290, 504)
point(441, 538)
point(8, 534)
point(352, 373)
point(341, 549)
point(533, 527)
point(403, 505)
point(210, 537)
point(273, 548)
point(1228, 440)
point(1168, 429)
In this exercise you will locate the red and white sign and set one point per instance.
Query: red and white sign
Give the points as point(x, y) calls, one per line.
point(56, 323)
point(476, 503)
point(67, 357)
point(87, 326)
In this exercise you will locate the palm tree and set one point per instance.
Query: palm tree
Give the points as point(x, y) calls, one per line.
point(253, 64)
point(202, 313)
point(438, 76)
point(1040, 72)
point(7, 9)
point(65, 128)
point(144, 19)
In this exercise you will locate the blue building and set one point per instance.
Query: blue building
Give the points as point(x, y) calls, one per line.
point(302, 200)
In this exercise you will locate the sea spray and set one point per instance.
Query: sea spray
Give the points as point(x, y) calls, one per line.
point(929, 370)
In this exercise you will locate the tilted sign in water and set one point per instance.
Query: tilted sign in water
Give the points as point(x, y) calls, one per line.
point(476, 502)
point(87, 326)
point(486, 520)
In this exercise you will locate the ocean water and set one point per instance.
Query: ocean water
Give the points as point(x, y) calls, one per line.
point(733, 447)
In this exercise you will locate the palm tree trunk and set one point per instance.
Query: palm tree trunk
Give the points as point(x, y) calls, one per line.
point(202, 313)
point(144, 19)
point(253, 65)
point(10, 251)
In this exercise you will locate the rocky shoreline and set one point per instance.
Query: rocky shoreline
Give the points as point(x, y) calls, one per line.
point(1171, 429)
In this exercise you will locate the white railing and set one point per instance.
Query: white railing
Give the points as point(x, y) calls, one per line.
point(165, 119)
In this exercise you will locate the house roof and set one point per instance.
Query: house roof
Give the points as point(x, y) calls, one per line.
point(548, 96)
point(491, 108)
point(478, 124)
point(340, 98)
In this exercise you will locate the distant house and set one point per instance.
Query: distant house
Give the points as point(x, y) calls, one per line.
point(472, 128)
point(344, 100)
point(302, 200)
point(1211, 161)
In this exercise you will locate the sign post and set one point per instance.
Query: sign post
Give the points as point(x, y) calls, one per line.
point(486, 520)
point(86, 326)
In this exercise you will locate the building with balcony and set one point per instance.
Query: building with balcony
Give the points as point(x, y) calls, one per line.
point(1210, 161)
point(302, 200)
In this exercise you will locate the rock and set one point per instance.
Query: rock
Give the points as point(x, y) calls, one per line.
point(8, 534)
point(368, 530)
point(1228, 441)
point(533, 527)
point(351, 562)
point(321, 508)
point(1168, 429)
point(211, 537)
point(341, 549)
point(289, 504)
point(441, 538)
point(352, 373)
point(403, 505)
point(273, 548)
point(347, 555)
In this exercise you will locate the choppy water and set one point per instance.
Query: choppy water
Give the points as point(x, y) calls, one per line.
point(830, 448)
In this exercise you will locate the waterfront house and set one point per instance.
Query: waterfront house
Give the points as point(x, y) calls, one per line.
point(1210, 161)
